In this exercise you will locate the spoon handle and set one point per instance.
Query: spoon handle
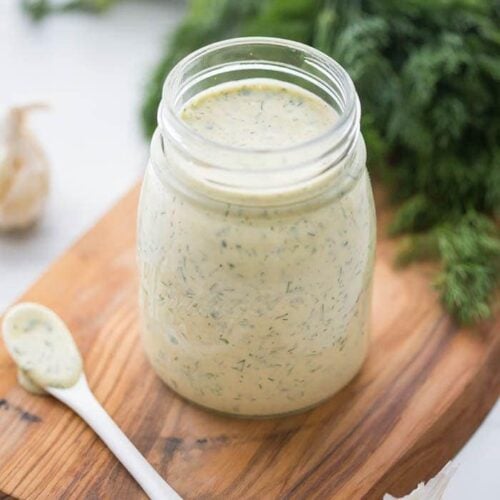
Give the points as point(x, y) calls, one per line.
point(81, 400)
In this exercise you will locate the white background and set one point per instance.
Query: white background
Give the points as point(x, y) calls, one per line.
point(91, 71)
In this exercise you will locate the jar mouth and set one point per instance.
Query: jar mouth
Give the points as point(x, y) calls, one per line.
point(324, 75)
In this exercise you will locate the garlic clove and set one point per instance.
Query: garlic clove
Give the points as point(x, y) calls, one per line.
point(24, 172)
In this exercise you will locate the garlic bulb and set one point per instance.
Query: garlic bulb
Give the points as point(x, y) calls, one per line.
point(432, 490)
point(24, 172)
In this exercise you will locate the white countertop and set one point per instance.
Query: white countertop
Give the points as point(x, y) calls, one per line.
point(91, 71)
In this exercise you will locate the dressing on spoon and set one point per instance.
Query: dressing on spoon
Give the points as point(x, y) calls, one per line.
point(42, 347)
point(28, 385)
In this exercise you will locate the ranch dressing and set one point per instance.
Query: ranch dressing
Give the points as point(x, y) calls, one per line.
point(256, 310)
point(42, 347)
point(258, 114)
point(28, 384)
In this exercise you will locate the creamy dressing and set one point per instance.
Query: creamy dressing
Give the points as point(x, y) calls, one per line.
point(28, 384)
point(256, 310)
point(261, 114)
point(42, 347)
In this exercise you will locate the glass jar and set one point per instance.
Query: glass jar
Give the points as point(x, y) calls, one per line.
point(256, 265)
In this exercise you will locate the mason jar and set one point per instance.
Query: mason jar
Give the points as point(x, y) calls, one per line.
point(256, 263)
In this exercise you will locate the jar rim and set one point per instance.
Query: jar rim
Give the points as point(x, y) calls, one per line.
point(167, 113)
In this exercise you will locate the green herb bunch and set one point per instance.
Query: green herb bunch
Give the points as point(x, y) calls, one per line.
point(38, 9)
point(428, 77)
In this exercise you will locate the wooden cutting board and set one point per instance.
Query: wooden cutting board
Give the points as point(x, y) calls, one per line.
point(424, 389)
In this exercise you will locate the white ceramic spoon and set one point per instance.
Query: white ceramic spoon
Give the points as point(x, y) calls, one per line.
point(81, 400)
point(48, 358)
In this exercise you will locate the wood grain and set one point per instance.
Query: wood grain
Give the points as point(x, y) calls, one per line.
point(424, 389)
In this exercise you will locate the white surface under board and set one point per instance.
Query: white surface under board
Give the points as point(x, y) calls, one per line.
point(91, 71)
point(478, 464)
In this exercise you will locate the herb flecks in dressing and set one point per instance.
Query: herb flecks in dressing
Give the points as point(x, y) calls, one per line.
point(42, 347)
